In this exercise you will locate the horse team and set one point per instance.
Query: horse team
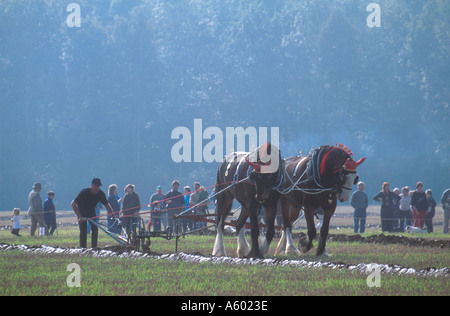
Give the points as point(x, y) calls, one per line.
point(263, 179)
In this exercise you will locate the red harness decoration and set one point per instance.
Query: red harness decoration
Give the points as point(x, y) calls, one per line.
point(351, 165)
point(324, 160)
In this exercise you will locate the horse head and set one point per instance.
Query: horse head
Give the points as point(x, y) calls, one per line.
point(343, 168)
point(266, 173)
point(348, 177)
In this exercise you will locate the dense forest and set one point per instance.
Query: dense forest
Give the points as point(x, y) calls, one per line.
point(102, 97)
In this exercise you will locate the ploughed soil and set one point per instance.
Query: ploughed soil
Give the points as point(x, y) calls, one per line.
point(373, 239)
point(392, 239)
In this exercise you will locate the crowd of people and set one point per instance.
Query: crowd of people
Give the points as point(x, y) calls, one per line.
point(87, 204)
point(401, 210)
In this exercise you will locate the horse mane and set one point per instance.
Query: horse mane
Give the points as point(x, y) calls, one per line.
point(318, 166)
point(332, 153)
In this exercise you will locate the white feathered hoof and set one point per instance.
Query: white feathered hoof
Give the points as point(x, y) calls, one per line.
point(325, 254)
point(263, 246)
point(303, 244)
point(219, 247)
point(243, 248)
point(281, 244)
point(292, 250)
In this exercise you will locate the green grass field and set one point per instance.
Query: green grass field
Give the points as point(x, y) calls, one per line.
point(45, 274)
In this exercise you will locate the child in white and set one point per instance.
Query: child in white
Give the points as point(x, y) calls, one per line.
point(15, 218)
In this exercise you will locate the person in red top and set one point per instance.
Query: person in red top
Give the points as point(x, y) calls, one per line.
point(419, 206)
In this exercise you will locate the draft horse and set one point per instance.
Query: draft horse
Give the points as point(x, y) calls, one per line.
point(250, 179)
point(316, 181)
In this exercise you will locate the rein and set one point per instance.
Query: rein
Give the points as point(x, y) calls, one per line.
point(318, 169)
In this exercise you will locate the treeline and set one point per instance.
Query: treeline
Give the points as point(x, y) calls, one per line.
point(102, 99)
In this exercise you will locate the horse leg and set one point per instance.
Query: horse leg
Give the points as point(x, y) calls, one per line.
point(290, 248)
point(254, 230)
point(306, 243)
point(324, 233)
point(282, 243)
point(286, 244)
point(271, 212)
point(243, 248)
point(223, 210)
point(285, 208)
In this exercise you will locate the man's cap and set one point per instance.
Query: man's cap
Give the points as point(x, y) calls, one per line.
point(97, 182)
point(37, 185)
point(159, 187)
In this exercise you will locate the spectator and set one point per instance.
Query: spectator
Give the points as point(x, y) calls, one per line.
point(419, 206)
point(387, 198)
point(50, 212)
point(36, 211)
point(15, 218)
point(186, 223)
point(431, 210)
point(158, 216)
point(84, 207)
point(193, 200)
point(130, 209)
point(405, 209)
point(396, 210)
point(114, 200)
point(203, 208)
point(200, 195)
point(175, 204)
point(155, 221)
point(359, 202)
point(445, 201)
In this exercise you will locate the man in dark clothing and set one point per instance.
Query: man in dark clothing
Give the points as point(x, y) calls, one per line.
point(387, 198)
point(445, 201)
point(84, 207)
point(158, 215)
point(431, 211)
point(130, 208)
point(50, 212)
point(175, 204)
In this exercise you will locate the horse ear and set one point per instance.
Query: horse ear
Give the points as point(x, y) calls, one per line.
point(360, 161)
point(255, 166)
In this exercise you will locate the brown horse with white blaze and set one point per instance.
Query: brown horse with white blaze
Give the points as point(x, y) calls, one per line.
point(319, 180)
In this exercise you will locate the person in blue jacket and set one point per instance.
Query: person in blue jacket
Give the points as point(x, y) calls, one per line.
point(360, 202)
point(50, 213)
